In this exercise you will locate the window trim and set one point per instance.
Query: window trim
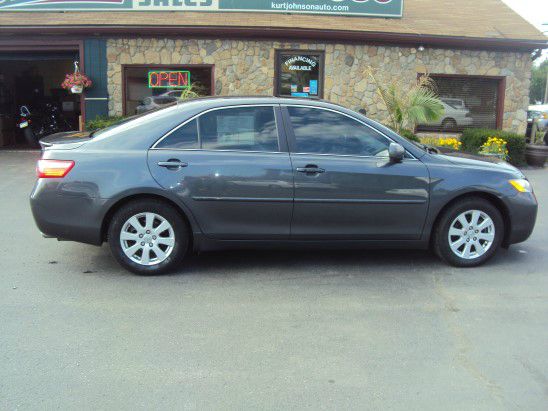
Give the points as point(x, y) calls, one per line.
point(279, 130)
point(501, 91)
point(292, 139)
point(321, 74)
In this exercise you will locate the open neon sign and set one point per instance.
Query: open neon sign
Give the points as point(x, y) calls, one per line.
point(169, 79)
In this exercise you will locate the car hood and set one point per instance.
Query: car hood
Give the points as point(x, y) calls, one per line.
point(66, 140)
point(471, 160)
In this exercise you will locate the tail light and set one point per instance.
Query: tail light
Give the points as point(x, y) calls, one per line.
point(53, 168)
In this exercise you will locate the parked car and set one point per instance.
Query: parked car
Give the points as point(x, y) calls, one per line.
point(254, 172)
point(456, 115)
point(538, 113)
point(155, 102)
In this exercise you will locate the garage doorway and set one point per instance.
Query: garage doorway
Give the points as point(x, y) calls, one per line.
point(33, 79)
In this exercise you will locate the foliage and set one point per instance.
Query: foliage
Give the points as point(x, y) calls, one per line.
point(102, 122)
point(408, 104)
point(495, 146)
point(194, 91)
point(537, 136)
point(408, 134)
point(473, 138)
point(76, 79)
point(538, 82)
point(452, 143)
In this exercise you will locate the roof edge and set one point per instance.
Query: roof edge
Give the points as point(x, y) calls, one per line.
point(281, 33)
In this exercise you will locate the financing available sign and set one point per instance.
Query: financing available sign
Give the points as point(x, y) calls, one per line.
point(373, 8)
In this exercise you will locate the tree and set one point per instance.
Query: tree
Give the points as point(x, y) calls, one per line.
point(408, 104)
point(538, 83)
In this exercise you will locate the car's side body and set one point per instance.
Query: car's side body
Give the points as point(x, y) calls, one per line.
point(245, 198)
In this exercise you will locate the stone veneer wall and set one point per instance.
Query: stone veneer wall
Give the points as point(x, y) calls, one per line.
point(245, 67)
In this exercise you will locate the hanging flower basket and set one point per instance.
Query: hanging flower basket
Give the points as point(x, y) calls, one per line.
point(76, 82)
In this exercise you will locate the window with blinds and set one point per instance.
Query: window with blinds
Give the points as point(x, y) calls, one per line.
point(468, 102)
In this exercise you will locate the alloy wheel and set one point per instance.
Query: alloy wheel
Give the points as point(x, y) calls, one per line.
point(471, 234)
point(147, 238)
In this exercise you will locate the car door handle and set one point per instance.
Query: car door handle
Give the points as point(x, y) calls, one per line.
point(310, 169)
point(172, 164)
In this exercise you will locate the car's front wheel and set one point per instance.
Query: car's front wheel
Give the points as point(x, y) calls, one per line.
point(468, 233)
point(148, 237)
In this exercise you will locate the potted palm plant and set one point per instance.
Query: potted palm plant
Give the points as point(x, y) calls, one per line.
point(536, 150)
point(408, 104)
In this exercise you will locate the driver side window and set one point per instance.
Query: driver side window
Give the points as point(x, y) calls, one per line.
point(320, 131)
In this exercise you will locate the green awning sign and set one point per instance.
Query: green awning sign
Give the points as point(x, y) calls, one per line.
point(373, 8)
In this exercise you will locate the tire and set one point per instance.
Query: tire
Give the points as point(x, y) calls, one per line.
point(138, 247)
point(449, 124)
point(482, 242)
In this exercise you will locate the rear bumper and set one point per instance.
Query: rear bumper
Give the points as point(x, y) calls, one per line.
point(522, 210)
point(66, 214)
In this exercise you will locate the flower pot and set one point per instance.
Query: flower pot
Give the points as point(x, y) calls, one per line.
point(76, 89)
point(536, 154)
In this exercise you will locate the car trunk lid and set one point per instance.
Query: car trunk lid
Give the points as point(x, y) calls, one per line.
point(67, 140)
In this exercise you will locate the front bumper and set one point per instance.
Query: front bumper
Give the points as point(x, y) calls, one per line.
point(522, 210)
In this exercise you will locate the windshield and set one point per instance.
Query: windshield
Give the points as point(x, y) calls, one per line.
point(534, 114)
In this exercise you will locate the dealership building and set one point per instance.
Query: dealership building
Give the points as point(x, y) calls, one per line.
point(139, 54)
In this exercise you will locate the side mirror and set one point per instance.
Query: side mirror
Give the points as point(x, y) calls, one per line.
point(396, 152)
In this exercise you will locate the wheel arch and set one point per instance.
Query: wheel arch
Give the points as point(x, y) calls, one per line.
point(492, 198)
point(449, 119)
point(187, 217)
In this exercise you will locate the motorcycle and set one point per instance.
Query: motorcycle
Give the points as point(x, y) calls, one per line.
point(37, 127)
point(24, 124)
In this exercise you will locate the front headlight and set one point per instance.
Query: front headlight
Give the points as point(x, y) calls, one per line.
point(521, 185)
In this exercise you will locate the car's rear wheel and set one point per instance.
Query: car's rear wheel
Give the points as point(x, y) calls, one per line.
point(148, 237)
point(468, 233)
point(448, 124)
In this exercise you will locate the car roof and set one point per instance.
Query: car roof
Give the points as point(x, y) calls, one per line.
point(539, 107)
point(219, 101)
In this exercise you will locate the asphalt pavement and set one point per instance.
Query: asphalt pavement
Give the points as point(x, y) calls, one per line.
point(267, 330)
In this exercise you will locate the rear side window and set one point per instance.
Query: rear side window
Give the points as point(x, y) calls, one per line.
point(185, 137)
point(239, 128)
point(327, 132)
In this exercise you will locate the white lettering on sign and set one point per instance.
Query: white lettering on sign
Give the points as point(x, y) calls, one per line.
point(186, 5)
point(309, 63)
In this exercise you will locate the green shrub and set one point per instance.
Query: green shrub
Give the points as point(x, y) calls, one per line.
point(102, 122)
point(473, 138)
point(408, 134)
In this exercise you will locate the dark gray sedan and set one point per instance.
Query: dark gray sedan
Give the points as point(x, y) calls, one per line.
point(252, 172)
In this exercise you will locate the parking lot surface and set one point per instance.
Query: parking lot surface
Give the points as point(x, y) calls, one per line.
point(267, 330)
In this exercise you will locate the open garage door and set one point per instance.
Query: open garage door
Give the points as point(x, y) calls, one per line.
point(33, 79)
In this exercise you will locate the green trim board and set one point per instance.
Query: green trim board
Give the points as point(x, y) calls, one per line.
point(372, 8)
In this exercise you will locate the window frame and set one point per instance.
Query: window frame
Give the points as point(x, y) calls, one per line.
point(501, 93)
point(124, 68)
point(280, 131)
point(292, 142)
point(321, 73)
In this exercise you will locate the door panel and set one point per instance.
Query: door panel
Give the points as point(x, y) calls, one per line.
point(232, 195)
point(359, 198)
point(241, 186)
point(345, 185)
